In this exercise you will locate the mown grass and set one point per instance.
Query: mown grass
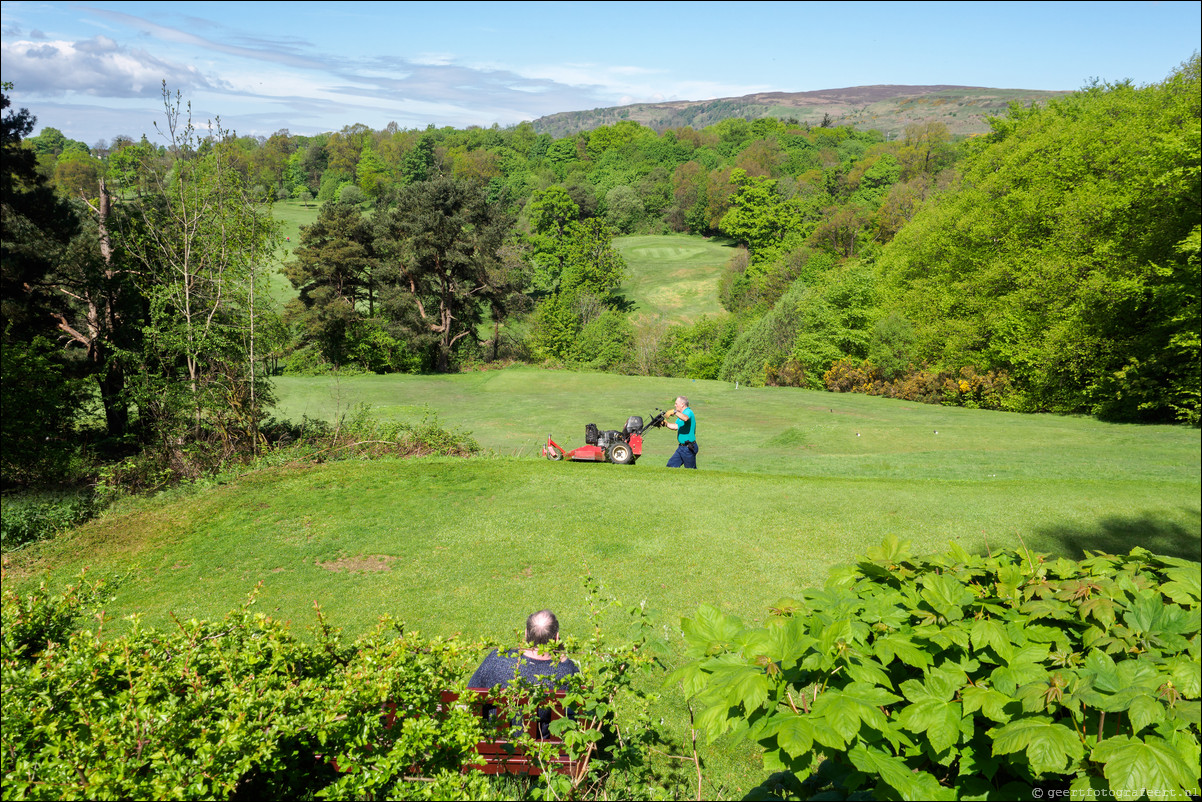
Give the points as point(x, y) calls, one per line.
point(673, 278)
point(792, 482)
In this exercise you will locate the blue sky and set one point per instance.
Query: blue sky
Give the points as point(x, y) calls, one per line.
point(94, 70)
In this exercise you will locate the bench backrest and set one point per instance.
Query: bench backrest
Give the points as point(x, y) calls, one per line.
point(499, 753)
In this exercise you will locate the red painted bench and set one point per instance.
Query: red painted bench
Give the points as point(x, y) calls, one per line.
point(499, 752)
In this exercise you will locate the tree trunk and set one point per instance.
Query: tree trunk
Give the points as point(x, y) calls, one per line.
point(112, 389)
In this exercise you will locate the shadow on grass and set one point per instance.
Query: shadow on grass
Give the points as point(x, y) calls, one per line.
point(1118, 535)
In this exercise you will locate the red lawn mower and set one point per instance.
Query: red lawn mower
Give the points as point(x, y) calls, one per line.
point(620, 448)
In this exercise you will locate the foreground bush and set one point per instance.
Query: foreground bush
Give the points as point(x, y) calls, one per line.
point(242, 708)
point(966, 677)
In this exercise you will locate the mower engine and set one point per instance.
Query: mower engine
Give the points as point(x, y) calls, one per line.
point(620, 447)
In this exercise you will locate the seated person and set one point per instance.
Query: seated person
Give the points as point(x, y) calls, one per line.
point(531, 664)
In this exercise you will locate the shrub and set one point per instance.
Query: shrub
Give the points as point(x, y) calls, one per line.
point(967, 388)
point(26, 517)
point(243, 708)
point(964, 676)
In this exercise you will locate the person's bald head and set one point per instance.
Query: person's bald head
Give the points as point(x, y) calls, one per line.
point(541, 627)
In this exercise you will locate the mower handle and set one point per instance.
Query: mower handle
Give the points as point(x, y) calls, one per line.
point(656, 420)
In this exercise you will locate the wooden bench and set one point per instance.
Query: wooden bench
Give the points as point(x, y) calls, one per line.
point(499, 752)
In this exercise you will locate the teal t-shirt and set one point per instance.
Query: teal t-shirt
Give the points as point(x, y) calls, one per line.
point(687, 423)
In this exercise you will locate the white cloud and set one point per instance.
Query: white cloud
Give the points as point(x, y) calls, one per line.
point(98, 66)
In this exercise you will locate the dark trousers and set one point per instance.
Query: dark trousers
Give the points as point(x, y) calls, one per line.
point(683, 457)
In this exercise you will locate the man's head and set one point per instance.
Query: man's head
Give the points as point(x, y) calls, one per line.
point(542, 627)
point(681, 402)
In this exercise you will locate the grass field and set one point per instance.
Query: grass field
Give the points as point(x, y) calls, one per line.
point(293, 214)
point(792, 482)
point(673, 278)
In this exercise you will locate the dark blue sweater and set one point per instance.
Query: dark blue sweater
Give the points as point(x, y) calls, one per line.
point(499, 668)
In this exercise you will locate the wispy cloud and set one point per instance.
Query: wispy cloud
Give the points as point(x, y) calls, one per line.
point(291, 51)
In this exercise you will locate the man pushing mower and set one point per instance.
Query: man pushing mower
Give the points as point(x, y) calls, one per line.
point(686, 435)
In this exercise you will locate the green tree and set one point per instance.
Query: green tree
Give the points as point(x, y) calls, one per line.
point(623, 208)
point(926, 149)
point(202, 243)
point(1067, 255)
point(551, 213)
point(592, 271)
point(332, 271)
point(418, 164)
point(439, 243)
point(759, 217)
point(36, 228)
point(77, 174)
point(372, 173)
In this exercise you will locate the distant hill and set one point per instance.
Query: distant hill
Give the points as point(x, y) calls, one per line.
point(885, 108)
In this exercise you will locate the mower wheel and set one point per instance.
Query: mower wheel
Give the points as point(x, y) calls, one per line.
point(553, 453)
point(621, 454)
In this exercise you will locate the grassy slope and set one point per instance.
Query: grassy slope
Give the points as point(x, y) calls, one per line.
point(293, 215)
point(673, 278)
point(793, 482)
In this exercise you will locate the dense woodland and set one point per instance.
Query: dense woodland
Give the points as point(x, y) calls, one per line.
point(1051, 265)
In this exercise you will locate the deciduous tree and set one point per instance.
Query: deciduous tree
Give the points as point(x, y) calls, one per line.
point(439, 243)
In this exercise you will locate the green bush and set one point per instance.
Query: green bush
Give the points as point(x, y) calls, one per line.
point(243, 708)
point(26, 517)
point(966, 388)
point(961, 676)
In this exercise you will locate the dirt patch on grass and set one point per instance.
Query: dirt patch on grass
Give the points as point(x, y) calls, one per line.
point(371, 563)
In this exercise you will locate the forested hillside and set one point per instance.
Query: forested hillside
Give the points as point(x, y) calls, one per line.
point(1049, 265)
point(889, 109)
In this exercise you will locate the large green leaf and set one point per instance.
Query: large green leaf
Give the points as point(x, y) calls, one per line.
point(748, 688)
point(891, 550)
point(1050, 747)
point(868, 671)
point(1088, 788)
point(895, 773)
point(714, 720)
point(794, 733)
point(946, 596)
point(709, 628)
point(1105, 672)
point(940, 721)
point(990, 632)
point(903, 647)
point(1101, 608)
point(1150, 764)
point(789, 642)
point(1186, 675)
point(989, 701)
point(1184, 585)
point(933, 710)
point(1144, 711)
point(843, 709)
point(691, 678)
